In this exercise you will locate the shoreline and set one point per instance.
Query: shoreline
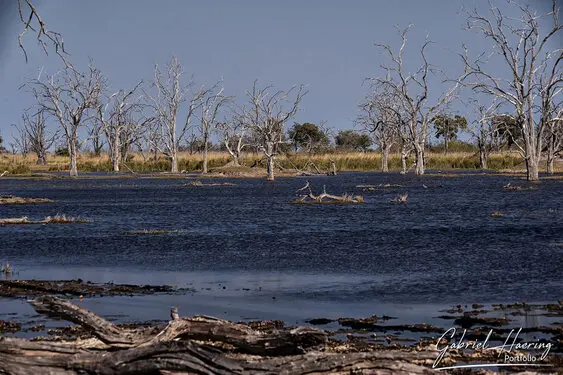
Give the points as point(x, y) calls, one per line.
point(369, 335)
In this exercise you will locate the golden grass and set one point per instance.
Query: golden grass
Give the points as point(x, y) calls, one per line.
point(346, 161)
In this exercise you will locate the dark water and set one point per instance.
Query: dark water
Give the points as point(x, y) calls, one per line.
point(239, 246)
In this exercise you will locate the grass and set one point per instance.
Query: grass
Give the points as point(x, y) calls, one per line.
point(347, 161)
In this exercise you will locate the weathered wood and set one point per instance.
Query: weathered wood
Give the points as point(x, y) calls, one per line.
point(324, 197)
point(101, 328)
point(240, 336)
point(175, 350)
point(21, 357)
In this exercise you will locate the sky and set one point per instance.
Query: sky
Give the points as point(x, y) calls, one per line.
point(327, 45)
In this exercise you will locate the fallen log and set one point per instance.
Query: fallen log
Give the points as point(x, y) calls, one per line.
point(240, 336)
point(178, 350)
point(22, 357)
point(308, 197)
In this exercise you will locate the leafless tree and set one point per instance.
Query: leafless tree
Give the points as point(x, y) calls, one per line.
point(233, 133)
point(485, 130)
point(35, 132)
point(32, 21)
point(171, 93)
point(265, 116)
point(72, 98)
point(96, 137)
point(212, 101)
point(522, 47)
point(20, 142)
point(380, 117)
point(554, 138)
point(117, 122)
point(551, 85)
point(412, 90)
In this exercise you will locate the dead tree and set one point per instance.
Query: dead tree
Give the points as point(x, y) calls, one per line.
point(554, 139)
point(306, 195)
point(522, 47)
point(31, 19)
point(485, 130)
point(116, 121)
point(170, 94)
point(20, 142)
point(96, 133)
point(211, 104)
point(380, 116)
point(412, 91)
point(266, 115)
point(38, 139)
point(72, 98)
point(233, 134)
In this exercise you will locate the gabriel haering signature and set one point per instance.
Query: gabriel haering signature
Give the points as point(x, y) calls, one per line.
point(511, 343)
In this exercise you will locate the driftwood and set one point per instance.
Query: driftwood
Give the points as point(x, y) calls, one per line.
point(240, 336)
point(306, 196)
point(57, 219)
point(12, 199)
point(177, 349)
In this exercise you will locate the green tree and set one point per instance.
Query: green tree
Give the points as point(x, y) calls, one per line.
point(507, 131)
point(447, 127)
point(351, 140)
point(308, 137)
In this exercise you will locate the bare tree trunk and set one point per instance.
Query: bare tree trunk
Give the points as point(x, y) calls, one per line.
point(532, 167)
point(385, 158)
point(41, 158)
point(419, 159)
point(482, 158)
point(270, 166)
point(205, 146)
point(234, 161)
point(115, 154)
point(550, 155)
point(174, 163)
point(72, 155)
point(446, 142)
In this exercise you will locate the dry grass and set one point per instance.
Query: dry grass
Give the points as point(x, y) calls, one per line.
point(346, 161)
point(496, 214)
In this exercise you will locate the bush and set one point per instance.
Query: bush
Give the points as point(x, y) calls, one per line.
point(63, 151)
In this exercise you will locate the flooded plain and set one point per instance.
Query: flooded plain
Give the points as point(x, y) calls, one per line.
point(244, 253)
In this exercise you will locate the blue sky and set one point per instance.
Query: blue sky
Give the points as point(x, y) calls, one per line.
point(327, 45)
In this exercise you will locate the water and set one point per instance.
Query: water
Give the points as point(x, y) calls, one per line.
point(246, 253)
